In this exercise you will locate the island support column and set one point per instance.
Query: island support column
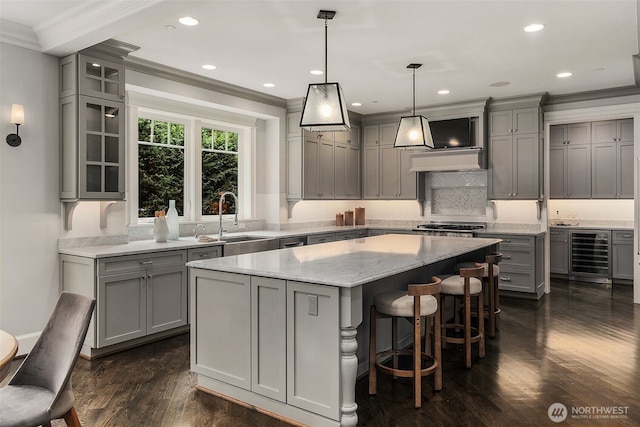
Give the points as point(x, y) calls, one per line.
point(350, 318)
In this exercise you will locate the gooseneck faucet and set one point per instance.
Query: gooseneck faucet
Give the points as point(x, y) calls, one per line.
point(235, 220)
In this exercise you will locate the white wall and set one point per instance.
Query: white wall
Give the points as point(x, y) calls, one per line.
point(30, 219)
point(609, 210)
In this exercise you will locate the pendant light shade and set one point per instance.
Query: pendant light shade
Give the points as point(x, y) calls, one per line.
point(324, 106)
point(413, 131)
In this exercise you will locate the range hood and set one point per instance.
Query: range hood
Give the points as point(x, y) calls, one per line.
point(448, 159)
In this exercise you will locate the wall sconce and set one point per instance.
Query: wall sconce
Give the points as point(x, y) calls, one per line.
point(17, 118)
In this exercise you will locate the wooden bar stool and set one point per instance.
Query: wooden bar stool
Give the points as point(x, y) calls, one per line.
point(490, 277)
point(465, 285)
point(420, 300)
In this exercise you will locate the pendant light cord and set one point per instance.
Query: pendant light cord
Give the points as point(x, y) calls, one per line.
point(414, 91)
point(325, 49)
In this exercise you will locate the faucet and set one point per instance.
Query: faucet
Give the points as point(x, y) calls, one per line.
point(235, 220)
point(195, 230)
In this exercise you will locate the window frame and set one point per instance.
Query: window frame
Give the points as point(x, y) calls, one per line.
point(194, 118)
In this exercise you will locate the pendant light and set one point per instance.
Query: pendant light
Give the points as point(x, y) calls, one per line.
point(413, 131)
point(324, 107)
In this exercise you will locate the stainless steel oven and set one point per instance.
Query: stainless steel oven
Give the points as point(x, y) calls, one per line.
point(451, 229)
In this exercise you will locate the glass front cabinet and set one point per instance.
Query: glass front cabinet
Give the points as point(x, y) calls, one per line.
point(92, 128)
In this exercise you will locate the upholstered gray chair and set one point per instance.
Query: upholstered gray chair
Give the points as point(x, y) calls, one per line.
point(40, 390)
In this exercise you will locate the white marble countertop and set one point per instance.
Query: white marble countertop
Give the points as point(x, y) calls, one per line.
point(514, 231)
point(601, 225)
point(348, 263)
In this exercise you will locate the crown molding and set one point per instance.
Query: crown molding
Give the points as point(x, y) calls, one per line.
point(158, 70)
point(18, 35)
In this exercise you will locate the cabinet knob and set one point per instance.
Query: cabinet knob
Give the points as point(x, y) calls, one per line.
point(508, 256)
point(149, 262)
point(568, 141)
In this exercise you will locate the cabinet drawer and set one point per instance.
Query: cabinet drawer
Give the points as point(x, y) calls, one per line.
point(131, 263)
point(517, 257)
point(348, 235)
point(623, 236)
point(510, 239)
point(204, 253)
point(320, 238)
point(519, 281)
point(559, 234)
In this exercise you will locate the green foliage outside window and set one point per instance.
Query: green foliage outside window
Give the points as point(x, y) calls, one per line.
point(219, 169)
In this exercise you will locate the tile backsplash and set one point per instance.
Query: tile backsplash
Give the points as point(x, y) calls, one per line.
point(462, 193)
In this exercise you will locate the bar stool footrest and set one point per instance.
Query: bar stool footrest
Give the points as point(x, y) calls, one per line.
point(430, 368)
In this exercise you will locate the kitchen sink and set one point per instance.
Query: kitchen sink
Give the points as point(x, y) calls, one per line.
point(238, 245)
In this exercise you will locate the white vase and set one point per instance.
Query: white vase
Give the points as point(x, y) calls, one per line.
point(160, 229)
point(172, 221)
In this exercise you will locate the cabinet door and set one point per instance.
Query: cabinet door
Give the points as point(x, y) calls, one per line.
point(408, 179)
point(122, 308)
point(557, 135)
point(371, 172)
point(389, 172)
point(625, 130)
point(603, 170)
point(311, 162)
point(604, 131)
point(500, 123)
point(100, 78)
point(558, 172)
point(500, 167)
point(100, 149)
point(388, 133)
point(325, 170)
point(526, 174)
point(579, 171)
point(525, 120)
point(353, 172)
point(340, 171)
point(269, 337)
point(166, 298)
point(579, 133)
point(370, 135)
point(313, 348)
point(223, 352)
point(622, 263)
point(559, 255)
point(625, 170)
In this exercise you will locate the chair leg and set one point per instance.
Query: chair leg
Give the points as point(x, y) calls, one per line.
point(417, 359)
point(372, 351)
point(437, 352)
point(492, 307)
point(394, 343)
point(497, 301)
point(467, 330)
point(443, 318)
point(71, 418)
point(481, 348)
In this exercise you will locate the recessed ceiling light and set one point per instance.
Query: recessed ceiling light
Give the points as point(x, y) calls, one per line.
point(500, 84)
point(95, 64)
point(564, 74)
point(533, 28)
point(170, 27)
point(268, 85)
point(188, 21)
point(317, 72)
point(209, 67)
point(356, 104)
point(444, 92)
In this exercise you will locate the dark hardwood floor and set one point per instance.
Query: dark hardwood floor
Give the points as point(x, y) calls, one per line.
point(579, 346)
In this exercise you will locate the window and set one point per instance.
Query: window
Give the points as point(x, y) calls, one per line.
point(161, 166)
point(219, 169)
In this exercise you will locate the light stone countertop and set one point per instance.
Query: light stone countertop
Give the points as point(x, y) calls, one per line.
point(514, 231)
point(348, 263)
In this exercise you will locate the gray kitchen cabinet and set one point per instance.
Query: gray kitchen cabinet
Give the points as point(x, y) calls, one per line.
point(612, 159)
point(207, 252)
point(138, 297)
point(522, 266)
point(352, 234)
point(559, 250)
point(315, 239)
point(322, 165)
point(517, 121)
point(622, 257)
point(92, 114)
point(318, 167)
point(514, 171)
point(570, 161)
point(386, 173)
point(514, 149)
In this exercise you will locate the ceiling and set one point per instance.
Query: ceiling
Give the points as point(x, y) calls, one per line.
point(465, 46)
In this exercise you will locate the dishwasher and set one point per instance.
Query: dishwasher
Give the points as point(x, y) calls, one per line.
point(590, 260)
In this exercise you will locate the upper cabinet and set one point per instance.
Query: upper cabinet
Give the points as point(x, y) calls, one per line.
point(592, 160)
point(322, 165)
point(92, 128)
point(515, 149)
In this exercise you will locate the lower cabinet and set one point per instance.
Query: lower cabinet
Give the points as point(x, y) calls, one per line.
point(270, 337)
point(136, 295)
point(559, 250)
point(522, 266)
point(622, 259)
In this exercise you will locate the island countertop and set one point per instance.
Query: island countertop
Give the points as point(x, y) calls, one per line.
point(348, 263)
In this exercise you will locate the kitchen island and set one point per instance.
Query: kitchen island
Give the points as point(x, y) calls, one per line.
point(277, 330)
